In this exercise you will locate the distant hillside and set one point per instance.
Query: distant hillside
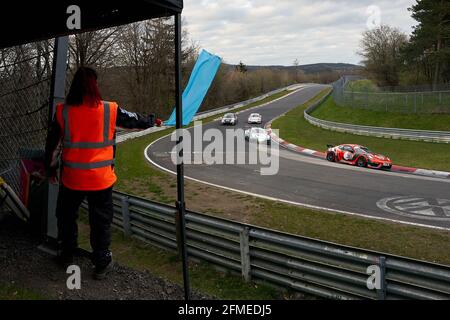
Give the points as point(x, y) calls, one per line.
point(311, 68)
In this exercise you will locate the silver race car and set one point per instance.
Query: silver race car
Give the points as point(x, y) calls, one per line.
point(229, 119)
point(254, 118)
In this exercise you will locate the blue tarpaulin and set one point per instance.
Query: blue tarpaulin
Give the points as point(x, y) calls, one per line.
point(202, 76)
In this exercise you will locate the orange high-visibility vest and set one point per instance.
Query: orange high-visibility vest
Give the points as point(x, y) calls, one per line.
point(88, 145)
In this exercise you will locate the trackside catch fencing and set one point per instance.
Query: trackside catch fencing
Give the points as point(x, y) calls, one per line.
point(393, 99)
point(380, 132)
point(25, 76)
point(311, 266)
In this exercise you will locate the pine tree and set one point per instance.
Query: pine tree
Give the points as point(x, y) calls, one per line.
point(430, 41)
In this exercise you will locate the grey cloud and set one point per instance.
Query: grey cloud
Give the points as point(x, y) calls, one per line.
point(279, 31)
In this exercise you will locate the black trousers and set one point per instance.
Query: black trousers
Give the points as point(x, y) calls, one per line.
point(100, 218)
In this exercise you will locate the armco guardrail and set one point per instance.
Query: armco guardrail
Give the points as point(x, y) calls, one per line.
point(315, 267)
point(381, 132)
point(212, 112)
point(124, 135)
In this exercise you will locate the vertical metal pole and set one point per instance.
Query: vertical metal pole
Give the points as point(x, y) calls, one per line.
point(57, 95)
point(180, 168)
point(58, 81)
point(415, 103)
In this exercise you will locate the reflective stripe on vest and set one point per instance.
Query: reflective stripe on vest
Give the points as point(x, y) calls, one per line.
point(88, 145)
point(89, 165)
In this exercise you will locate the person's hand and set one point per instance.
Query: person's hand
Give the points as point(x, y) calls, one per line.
point(158, 122)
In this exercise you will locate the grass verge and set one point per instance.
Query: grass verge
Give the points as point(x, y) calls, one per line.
point(329, 110)
point(295, 129)
point(12, 292)
point(204, 277)
point(137, 177)
point(365, 94)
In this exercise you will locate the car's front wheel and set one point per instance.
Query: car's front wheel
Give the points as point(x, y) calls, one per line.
point(331, 157)
point(361, 162)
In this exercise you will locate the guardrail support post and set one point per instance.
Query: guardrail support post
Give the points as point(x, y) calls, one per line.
point(126, 217)
point(382, 291)
point(245, 253)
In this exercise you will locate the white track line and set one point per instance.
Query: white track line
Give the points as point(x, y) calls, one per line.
point(304, 205)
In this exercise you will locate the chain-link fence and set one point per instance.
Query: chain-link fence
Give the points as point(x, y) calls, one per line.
point(25, 76)
point(419, 99)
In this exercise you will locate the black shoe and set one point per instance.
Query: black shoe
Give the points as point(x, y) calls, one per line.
point(102, 271)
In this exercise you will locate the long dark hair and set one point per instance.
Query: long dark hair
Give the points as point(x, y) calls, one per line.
point(84, 88)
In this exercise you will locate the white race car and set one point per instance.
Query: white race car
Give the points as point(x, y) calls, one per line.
point(254, 118)
point(259, 135)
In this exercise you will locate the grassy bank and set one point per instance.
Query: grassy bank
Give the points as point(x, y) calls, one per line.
point(136, 176)
point(329, 110)
point(12, 292)
point(365, 95)
point(295, 129)
point(364, 85)
point(204, 277)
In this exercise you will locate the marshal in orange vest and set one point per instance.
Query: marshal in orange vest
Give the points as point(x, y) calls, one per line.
point(88, 145)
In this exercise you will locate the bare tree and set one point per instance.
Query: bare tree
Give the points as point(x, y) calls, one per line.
point(381, 52)
point(147, 51)
point(95, 48)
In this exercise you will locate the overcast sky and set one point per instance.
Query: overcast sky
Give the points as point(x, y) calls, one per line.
point(276, 32)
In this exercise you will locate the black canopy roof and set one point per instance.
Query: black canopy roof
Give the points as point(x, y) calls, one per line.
point(28, 21)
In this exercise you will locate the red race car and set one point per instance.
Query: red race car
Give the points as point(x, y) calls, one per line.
point(358, 155)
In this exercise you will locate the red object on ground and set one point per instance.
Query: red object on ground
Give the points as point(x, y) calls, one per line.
point(158, 122)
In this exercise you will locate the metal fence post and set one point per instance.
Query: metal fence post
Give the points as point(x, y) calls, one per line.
point(126, 217)
point(415, 102)
point(245, 253)
point(367, 98)
point(382, 291)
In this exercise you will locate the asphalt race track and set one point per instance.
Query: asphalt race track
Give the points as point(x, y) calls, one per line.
point(316, 183)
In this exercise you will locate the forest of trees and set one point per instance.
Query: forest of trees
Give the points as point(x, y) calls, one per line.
point(136, 69)
point(391, 58)
point(135, 64)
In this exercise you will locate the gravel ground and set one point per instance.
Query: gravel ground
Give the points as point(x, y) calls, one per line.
point(23, 265)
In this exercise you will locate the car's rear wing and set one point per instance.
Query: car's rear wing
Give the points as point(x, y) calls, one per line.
point(330, 146)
